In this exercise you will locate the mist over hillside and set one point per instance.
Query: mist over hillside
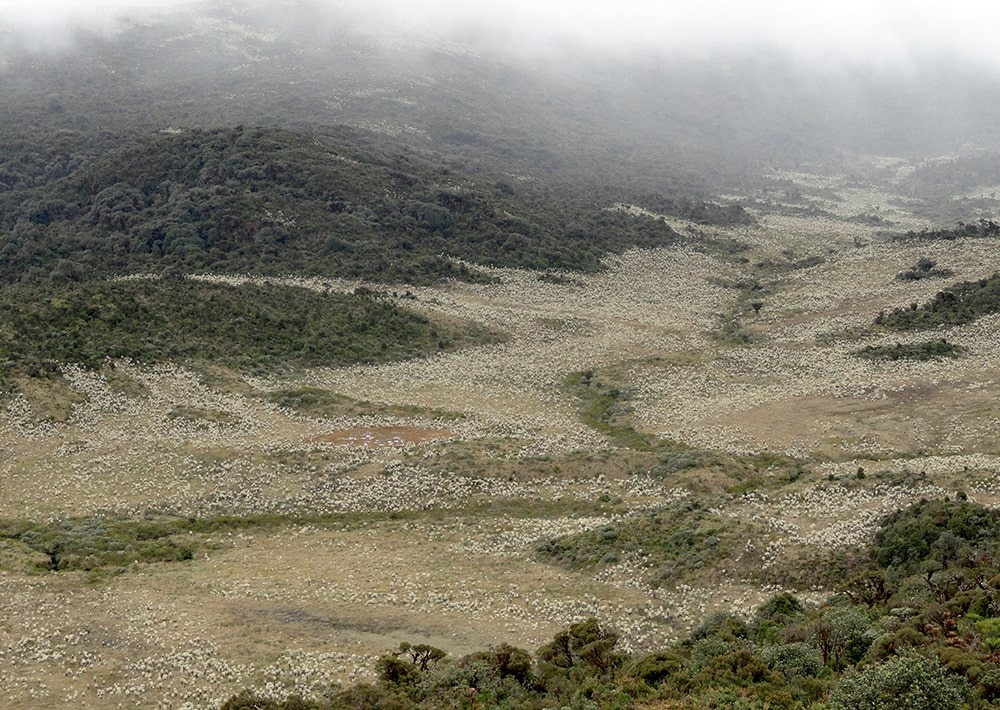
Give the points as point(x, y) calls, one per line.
point(499, 97)
point(547, 128)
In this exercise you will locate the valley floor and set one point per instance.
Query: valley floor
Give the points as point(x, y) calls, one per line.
point(413, 508)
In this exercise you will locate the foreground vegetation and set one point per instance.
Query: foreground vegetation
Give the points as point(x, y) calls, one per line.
point(918, 628)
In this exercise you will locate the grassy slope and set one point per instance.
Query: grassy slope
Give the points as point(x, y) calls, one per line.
point(248, 326)
point(917, 628)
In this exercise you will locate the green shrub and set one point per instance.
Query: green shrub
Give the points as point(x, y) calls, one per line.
point(924, 269)
point(655, 668)
point(103, 543)
point(907, 682)
point(706, 651)
point(946, 531)
point(395, 671)
point(720, 624)
point(927, 350)
point(793, 660)
point(673, 541)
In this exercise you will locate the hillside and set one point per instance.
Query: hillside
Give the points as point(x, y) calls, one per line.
point(622, 455)
point(251, 327)
point(351, 362)
point(338, 202)
point(663, 122)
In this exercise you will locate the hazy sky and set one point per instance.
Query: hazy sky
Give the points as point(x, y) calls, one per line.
point(875, 31)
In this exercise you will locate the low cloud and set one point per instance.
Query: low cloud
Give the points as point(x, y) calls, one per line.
point(859, 31)
point(877, 32)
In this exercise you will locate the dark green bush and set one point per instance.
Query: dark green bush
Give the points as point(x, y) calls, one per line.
point(907, 682)
point(793, 660)
point(958, 304)
point(948, 531)
point(927, 350)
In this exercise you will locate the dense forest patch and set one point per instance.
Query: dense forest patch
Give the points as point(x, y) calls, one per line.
point(274, 201)
point(247, 326)
point(950, 533)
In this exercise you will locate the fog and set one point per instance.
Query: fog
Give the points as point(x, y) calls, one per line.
point(731, 79)
point(880, 33)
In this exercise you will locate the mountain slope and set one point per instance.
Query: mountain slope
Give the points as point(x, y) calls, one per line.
point(270, 201)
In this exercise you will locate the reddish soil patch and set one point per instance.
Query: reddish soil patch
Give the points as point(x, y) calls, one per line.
point(374, 437)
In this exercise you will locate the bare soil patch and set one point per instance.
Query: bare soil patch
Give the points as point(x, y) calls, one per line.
point(918, 417)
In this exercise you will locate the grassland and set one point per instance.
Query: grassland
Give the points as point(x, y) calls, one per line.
point(176, 531)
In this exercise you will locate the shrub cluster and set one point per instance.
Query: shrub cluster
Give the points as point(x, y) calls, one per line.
point(98, 544)
point(923, 269)
point(672, 541)
point(981, 228)
point(926, 350)
point(958, 304)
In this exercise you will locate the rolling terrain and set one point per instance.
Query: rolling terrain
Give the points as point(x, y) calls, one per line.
point(311, 349)
point(449, 499)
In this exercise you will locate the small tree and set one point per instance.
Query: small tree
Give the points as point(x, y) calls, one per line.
point(497, 665)
point(842, 635)
point(395, 671)
point(421, 655)
point(586, 643)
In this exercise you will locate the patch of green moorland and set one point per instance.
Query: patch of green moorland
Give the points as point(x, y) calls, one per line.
point(248, 327)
